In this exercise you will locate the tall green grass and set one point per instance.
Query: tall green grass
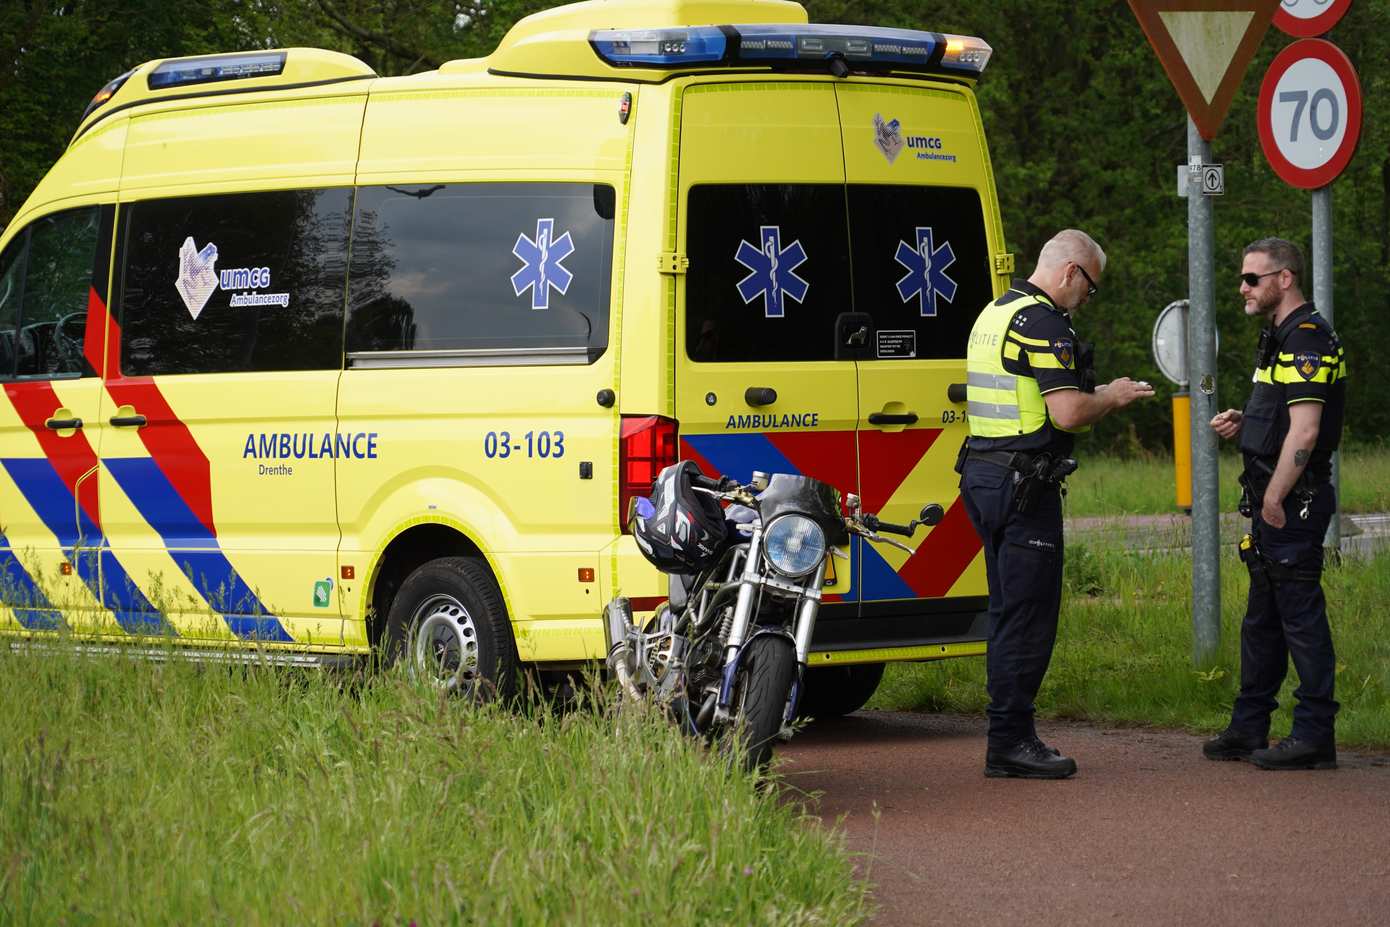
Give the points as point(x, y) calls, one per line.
point(1145, 485)
point(1124, 650)
point(140, 793)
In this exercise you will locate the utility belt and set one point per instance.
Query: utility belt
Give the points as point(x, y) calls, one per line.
point(1254, 480)
point(1033, 472)
point(1259, 565)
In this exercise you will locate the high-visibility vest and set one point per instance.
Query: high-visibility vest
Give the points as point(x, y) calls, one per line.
point(1002, 404)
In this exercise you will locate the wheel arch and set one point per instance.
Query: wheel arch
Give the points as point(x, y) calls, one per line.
point(411, 547)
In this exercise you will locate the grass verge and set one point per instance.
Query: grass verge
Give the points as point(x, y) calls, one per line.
point(143, 793)
point(1124, 650)
point(1144, 485)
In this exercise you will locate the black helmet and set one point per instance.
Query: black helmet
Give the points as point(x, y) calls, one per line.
point(678, 529)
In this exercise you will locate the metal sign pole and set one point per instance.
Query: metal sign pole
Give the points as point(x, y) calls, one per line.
point(1201, 360)
point(1322, 298)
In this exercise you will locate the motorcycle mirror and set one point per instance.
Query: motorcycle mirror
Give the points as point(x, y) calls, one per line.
point(931, 514)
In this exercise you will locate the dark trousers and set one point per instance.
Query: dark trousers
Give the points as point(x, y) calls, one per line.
point(1286, 616)
point(1023, 561)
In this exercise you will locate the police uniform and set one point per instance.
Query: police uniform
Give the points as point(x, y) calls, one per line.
point(1286, 616)
point(1022, 347)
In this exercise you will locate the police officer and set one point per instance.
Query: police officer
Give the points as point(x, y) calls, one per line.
point(1030, 387)
point(1287, 433)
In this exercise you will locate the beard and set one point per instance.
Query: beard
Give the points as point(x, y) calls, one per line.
point(1262, 305)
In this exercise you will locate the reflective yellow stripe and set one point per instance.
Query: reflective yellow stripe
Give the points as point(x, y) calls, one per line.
point(1039, 342)
point(1011, 350)
point(1045, 360)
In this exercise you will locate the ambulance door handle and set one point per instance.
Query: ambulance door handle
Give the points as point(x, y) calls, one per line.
point(892, 418)
point(121, 421)
point(760, 395)
point(956, 392)
point(59, 424)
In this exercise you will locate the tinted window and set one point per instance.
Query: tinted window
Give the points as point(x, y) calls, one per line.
point(45, 277)
point(481, 267)
point(921, 267)
point(769, 272)
point(237, 282)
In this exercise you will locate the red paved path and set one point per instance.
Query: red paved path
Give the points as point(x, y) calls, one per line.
point(1148, 832)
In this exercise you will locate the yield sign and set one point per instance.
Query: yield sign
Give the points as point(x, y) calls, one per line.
point(1205, 47)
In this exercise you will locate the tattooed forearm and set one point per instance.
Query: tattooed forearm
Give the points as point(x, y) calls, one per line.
point(1300, 458)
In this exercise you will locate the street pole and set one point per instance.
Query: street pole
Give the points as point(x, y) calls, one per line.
point(1322, 298)
point(1201, 374)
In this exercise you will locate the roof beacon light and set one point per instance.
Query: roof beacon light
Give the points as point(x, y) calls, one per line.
point(107, 92)
point(660, 47)
point(214, 68)
point(861, 48)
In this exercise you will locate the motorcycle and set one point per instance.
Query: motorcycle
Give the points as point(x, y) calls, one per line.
point(728, 650)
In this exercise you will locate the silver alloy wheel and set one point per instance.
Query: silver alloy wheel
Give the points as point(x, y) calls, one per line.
point(445, 649)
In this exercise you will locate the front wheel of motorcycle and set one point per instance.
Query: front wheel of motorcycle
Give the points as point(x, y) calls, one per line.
point(761, 689)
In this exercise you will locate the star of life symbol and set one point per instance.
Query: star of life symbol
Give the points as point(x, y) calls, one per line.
point(773, 271)
point(197, 275)
point(542, 257)
point(926, 276)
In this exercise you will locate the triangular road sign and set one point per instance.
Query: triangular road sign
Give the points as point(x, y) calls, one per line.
point(1205, 47)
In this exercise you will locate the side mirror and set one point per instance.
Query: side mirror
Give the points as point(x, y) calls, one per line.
point(931, 514)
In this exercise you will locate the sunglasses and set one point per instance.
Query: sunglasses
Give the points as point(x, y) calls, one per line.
point(1253, 279)
point(1091, 287)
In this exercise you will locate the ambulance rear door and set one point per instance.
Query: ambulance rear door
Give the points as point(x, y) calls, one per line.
point(923, 230)
point(761, 209)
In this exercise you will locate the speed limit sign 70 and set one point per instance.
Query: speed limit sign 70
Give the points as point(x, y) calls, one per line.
point(1310, 113)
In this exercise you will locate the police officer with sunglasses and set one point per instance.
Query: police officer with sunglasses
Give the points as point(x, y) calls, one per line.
point(1287, 432)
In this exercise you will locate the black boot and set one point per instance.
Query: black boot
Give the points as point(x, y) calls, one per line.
point(1028, 759)
point(1232, 745)
point(1292, 753)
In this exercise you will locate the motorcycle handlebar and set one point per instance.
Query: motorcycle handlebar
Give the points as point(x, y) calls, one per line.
point(905, 530)
point(714, 484)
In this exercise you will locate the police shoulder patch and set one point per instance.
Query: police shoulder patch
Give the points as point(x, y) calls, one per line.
point(1307, 364)
point(1065, 349)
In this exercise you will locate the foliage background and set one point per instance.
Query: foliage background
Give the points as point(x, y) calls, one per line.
point(1084, 129)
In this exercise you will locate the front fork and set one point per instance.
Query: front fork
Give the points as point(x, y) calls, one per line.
point(804, 627)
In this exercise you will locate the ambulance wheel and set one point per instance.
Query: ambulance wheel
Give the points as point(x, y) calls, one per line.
point(833, 691)
point(449, 625)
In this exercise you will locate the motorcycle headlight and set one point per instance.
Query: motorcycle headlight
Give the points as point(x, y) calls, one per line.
point(794, 545)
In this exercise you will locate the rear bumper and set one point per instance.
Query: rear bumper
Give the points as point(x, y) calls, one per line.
point(918, 629)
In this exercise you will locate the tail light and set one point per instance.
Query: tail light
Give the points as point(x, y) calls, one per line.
point(647, 446)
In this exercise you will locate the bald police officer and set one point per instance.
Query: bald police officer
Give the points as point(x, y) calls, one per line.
point(1030, 388)
point(1287, 433)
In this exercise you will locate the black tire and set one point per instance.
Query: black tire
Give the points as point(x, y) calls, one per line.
point(761, 689)
point(449, 624)
point(833, 691)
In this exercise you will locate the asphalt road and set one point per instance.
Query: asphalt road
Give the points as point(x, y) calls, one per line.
point(1147, 832)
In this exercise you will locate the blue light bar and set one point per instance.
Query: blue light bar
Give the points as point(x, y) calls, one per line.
point(215, 68)
point(859, 47)
point(660, 47)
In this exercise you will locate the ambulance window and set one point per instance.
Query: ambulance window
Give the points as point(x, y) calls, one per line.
point(921, 266)
point(499, 272)
point(235, 282)
point(43, 295)
point(769, 272)
point(11, 285)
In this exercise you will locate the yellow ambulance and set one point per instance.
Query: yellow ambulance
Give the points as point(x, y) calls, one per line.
point(310, 362)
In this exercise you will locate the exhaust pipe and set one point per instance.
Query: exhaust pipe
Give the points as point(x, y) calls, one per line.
point(618, 630)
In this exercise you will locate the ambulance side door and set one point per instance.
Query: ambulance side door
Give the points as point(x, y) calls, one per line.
point(50, 421)
point(762, 221)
